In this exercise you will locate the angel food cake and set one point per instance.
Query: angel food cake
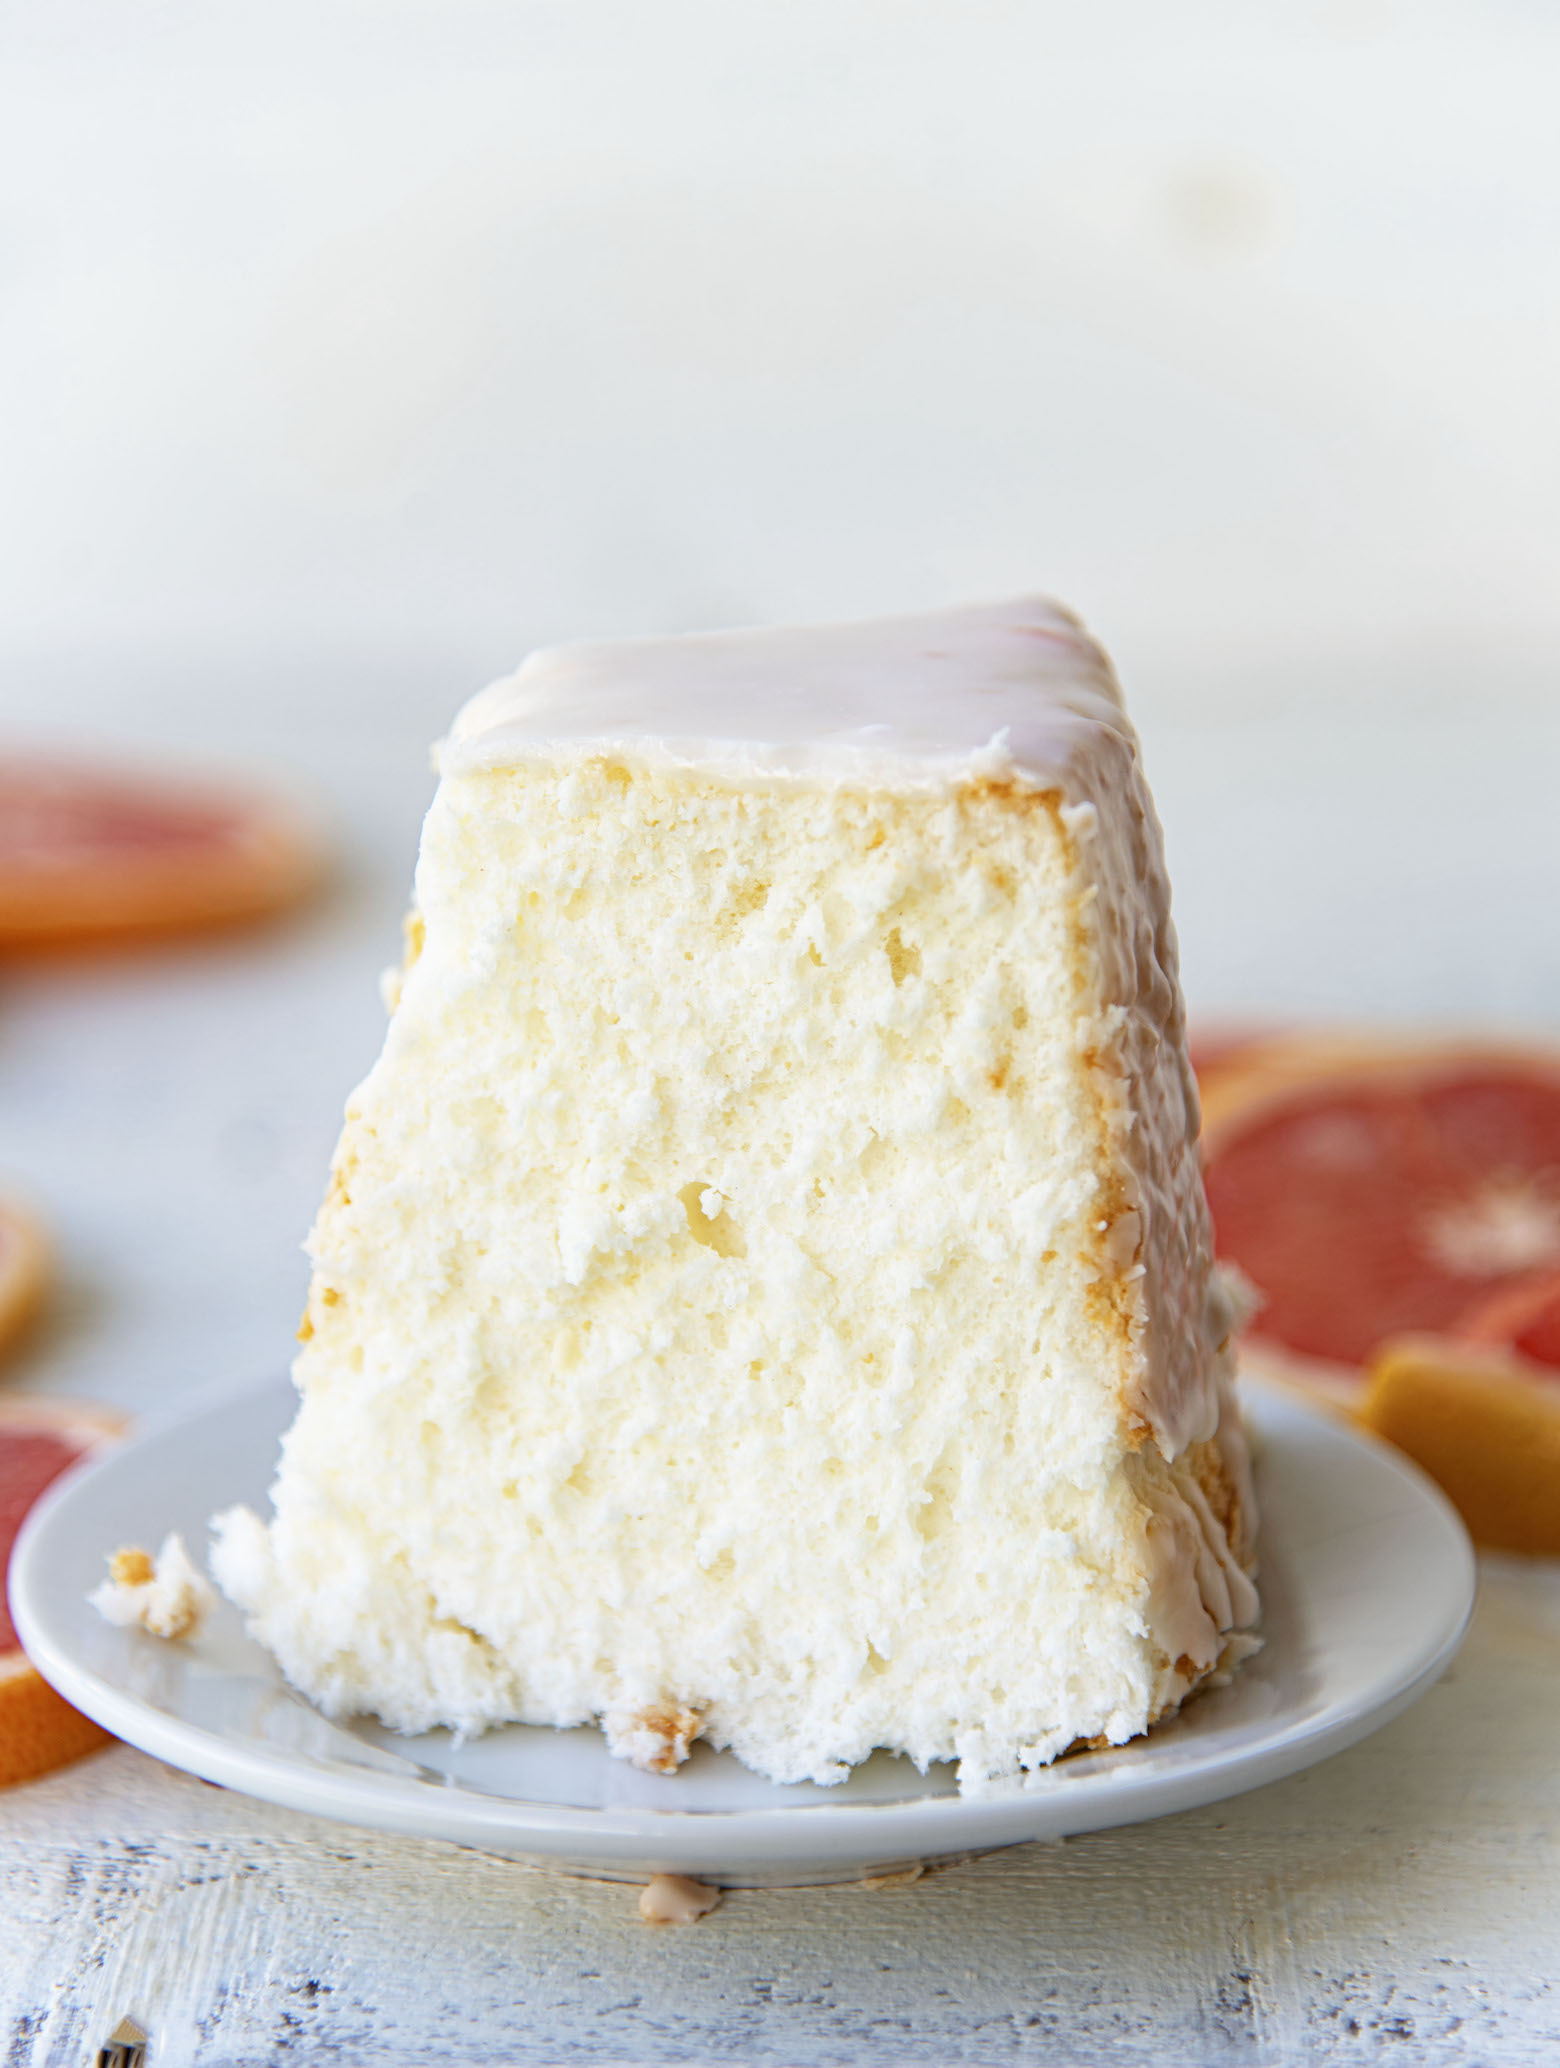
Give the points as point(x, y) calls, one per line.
point(765, 1292)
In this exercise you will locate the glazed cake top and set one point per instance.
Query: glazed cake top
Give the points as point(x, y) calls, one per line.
point(993, 690)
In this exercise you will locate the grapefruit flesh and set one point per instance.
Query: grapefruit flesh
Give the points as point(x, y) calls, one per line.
point(85, 856)
point(1373, 1194)
point(39, 1439)
point(1524, 1317)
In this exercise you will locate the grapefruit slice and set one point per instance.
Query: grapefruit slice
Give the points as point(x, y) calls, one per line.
point(91, 856)
point(24, 1268)
point(1370, 1189)
point(38, 1440)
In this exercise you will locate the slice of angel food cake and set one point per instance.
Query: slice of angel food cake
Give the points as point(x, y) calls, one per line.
point(765, 1292)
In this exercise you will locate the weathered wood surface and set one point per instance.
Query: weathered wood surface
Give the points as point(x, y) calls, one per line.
point(1398, 1904)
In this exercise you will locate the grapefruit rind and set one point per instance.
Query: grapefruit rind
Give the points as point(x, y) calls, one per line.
point(24, 1270)
point(39, 1730)
point(1261, 1075)
point(87, 1426)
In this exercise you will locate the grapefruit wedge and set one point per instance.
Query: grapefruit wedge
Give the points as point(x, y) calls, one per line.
point(39, 1439)
point(88, 856)
point(1397, 1209)
point(1485, 1425)
point(1370, 1189)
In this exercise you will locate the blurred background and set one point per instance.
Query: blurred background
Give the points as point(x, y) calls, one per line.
point(348, 350)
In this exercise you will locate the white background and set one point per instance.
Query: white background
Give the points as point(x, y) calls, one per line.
point(470, 323)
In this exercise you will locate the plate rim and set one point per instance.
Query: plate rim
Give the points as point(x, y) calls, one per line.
point(635, 1837)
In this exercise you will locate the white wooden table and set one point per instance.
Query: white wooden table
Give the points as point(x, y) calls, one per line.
point(172, 1116)
point(1399, 1904)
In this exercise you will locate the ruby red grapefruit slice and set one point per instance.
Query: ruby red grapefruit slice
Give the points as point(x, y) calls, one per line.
point(91, 856)
point(39, 1439)
point(1368, 1189)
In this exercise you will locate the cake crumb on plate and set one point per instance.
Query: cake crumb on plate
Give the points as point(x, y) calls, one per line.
point(166, 1596)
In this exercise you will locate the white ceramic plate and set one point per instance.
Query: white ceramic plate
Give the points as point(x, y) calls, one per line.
point(1367, 1583)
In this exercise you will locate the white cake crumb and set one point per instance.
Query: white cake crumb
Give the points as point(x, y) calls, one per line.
point(166, 1596)
point(656, 1740)
point(674, 1899)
